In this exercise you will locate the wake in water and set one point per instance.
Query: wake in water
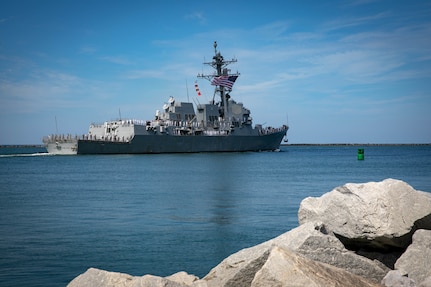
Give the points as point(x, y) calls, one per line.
point(26, 154)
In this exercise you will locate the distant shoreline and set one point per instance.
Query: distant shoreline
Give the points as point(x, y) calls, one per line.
point(21, 146)
point(359, 144)
point(283, 144)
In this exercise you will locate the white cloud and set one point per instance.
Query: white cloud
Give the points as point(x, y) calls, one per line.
point(198, 15)
point(143, 74)
point(352, 21)
point(121, 60)
point(88, 50)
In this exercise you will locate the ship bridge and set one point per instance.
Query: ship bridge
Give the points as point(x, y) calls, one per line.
point(176, 111)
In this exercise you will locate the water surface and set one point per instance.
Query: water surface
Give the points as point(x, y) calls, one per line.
point(160, 214)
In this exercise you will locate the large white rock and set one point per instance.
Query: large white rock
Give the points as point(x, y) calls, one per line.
point(184, 278)
point(99, 278)
point(309, 240)
point(416, 260)
point(394, 278)
point(376, 214)
point(284, 268)
point(426, 282)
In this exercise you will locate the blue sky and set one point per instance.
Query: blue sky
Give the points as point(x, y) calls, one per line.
point(354, 71)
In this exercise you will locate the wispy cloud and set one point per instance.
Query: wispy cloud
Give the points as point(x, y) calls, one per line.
point(349, 22)
point(121, 60)
point(45, 89)
point(198, 16)
point(360, 2)
point(143, 74)
point(273, 30)
point(359, 56)
point(88, 50)
point(357, 66)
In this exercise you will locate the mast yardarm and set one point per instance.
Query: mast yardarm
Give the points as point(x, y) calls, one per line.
point(222, 73)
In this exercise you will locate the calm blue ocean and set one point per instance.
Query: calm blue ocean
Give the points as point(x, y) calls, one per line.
point(159, 214)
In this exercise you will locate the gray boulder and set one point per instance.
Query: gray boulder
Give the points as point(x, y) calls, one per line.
point(239, 268)
point(378, 215)
point(99, 278)
point(394, 278)
point(297, 254)
point(183, 278)
point(309, 240)
point(416, 260)
point(426, 282)
point(284, 268)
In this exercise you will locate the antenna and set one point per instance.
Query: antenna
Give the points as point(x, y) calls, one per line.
point(196, 100)
point(56, 126)
point(187, 89)
point(119, 112)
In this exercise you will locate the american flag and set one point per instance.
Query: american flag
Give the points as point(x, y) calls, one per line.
point(225, 81)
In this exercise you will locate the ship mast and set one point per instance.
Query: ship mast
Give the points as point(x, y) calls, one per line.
point(219, 64)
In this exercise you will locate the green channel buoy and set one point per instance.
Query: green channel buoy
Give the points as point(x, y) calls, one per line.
point(360, 154)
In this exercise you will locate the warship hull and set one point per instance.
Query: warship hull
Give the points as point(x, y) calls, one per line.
point(154, 144)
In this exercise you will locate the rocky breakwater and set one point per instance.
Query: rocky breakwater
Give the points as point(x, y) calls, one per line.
point(371, 234)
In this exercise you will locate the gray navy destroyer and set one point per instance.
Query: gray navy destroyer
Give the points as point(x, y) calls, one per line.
point(222, 125)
